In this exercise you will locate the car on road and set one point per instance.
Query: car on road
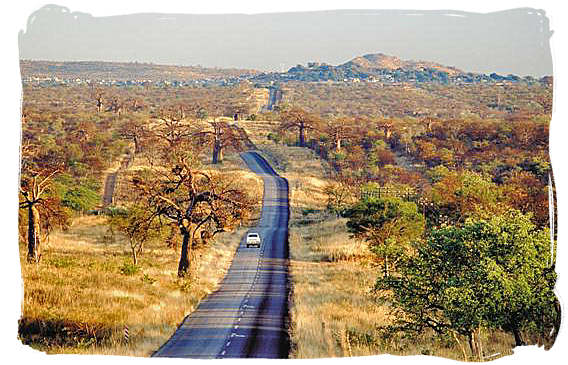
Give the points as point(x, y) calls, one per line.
point(253, 239)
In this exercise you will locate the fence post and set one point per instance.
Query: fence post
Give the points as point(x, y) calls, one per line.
point(126, 334)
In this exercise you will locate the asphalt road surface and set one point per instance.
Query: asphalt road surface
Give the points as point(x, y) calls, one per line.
point(248, 315)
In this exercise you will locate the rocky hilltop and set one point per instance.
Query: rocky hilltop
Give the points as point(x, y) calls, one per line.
point(379, 67)
point(380, 61)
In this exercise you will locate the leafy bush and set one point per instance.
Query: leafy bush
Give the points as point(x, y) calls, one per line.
point(81, 198)
point(129, 269)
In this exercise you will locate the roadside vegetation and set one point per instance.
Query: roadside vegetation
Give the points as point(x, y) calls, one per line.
point(448, 213)
point(420, 215)
point(95, 265)
point(336, 309)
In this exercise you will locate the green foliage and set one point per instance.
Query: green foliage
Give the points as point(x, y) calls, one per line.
point(147, 279)
point(274, 137)
point(129, 269)
point(495, 273)
point(465, 194)
point(537, 166)
point(202, 114)
point(389, 224)
point(61, 262)
point(437, 173)
point(80, 198)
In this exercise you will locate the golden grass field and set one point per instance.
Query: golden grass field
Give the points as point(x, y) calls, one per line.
point(86, 290)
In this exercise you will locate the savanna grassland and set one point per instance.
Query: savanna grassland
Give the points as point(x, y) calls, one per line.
point(334, 310)
point(90, 275)
point(420, 213)
point(425, 185)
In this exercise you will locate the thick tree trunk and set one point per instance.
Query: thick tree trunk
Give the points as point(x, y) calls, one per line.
point(33, 234)
point(136, 145)
point(479, 345)
point(472, 344)
point(216, 153)
point(184, 260)
point(338, 145)
point(302, 136)
point(518, 338)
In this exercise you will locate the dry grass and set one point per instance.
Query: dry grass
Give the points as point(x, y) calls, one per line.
point(333, 311)
point(306, 175)
point(80, 297)
point(85, 290)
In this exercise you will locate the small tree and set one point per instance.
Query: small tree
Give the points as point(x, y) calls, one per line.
point(134, 130)
point(388, 224)
point(341, 194)
point(138, 224)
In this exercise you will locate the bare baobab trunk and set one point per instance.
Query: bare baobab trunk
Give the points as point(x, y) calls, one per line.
point(302, 136)
point(184, 260)
point(136, 145)
point(217, 152)
point(33, 234)
point(338, 145)
point(99, 104)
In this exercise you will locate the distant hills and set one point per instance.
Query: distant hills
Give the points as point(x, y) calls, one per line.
point(123, 71)
point(376, 67)
point(384, 68)
point(380, 61)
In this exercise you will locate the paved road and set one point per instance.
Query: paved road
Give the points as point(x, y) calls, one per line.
point(248, 315)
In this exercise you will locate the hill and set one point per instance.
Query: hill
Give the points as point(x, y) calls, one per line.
point(380, 61)
point(384, 68)
point(123, 71)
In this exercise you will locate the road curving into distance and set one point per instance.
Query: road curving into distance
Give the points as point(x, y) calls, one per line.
point(248, 314)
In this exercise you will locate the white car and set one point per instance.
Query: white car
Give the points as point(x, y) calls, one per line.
point(253, 239)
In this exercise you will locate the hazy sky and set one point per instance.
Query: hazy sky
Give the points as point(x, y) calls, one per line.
point(514, 41)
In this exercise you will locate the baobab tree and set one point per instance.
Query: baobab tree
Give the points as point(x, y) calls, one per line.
point(98, 95)
point(296, 118)
point(201, 204)
point(220, 136)
point(135, 130)
point(173, 129)
point(37, 173)
point(338, 129)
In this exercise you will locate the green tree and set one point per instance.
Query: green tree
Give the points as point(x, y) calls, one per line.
point(465, 194)
point(138, 224)
point(388, 224)
point(495, 273)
